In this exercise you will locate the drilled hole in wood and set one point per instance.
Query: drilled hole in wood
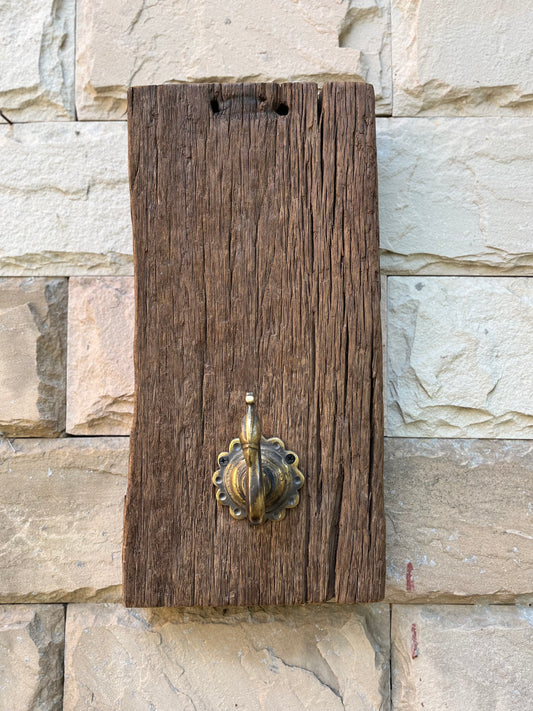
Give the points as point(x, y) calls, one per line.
point(215, 107)
point(282, 109)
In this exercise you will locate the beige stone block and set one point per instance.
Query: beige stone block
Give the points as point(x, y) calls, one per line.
point(316, 657)
point(61, 518)
point(383, 314)
point(462, 58)
point(37, 60)
point(33, 332)
point(459, 520)
point(123, 42)
point(459, 357)
point(100, 356)
point(454, 195)
point(462, 657)
point(31, 657)
point(64, 199)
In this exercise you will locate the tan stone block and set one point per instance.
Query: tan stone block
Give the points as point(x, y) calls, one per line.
point(37, 60)
point(64, 199)
point(31, 657)
point(464, 58)
point(454, 195)
point(383, 314)
point(315, 657)
point(459, 357)
point(33, 330)
point(459, 520)
point(100, 356)
point(61, 518)
point(462, 657)
point(238, 40)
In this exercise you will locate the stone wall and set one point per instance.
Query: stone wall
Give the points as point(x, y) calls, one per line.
point(454, 87)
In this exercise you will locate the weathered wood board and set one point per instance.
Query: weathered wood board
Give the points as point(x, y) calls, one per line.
point(255, 223)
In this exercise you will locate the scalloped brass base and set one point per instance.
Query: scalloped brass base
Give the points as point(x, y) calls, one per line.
point(281, 477)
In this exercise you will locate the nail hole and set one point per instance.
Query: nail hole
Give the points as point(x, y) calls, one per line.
point(218, 480)
point(215, 107)
point(282, 109)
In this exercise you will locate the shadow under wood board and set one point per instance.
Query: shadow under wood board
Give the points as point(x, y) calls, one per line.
point(255, 224)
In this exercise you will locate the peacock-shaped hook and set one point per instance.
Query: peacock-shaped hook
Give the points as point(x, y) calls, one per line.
point(258, 478)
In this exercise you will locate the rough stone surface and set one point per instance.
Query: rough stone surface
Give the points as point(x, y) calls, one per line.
point(64, 199)
point(62, 528)
point(384, 299)
point(459, 520)
point(462, 657)
point(123, 42)
point(454, 195)
point(459, 357)
point(33, 332)
point(31, 657)
point(317, 657)
point(462, 58)
point(100, 356)
point(61, 518)
point(37, 60)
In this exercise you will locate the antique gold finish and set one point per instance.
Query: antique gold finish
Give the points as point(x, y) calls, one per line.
point(258, 478)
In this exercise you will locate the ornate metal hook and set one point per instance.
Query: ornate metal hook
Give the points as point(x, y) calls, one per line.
point(258, 478)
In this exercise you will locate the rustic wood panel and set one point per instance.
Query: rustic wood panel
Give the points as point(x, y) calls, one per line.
point(254, 210)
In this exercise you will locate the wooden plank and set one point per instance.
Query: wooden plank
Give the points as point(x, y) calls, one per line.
point(254, 210)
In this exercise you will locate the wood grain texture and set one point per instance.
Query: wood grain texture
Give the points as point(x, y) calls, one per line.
point(254, 210)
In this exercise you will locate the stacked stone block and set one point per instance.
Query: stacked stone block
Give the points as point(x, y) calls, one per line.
point(453, 84)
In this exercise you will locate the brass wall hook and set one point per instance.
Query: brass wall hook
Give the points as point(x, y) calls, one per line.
point(258, 478)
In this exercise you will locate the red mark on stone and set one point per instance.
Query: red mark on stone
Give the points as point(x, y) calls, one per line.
point(409, 582)
point(414, 642)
